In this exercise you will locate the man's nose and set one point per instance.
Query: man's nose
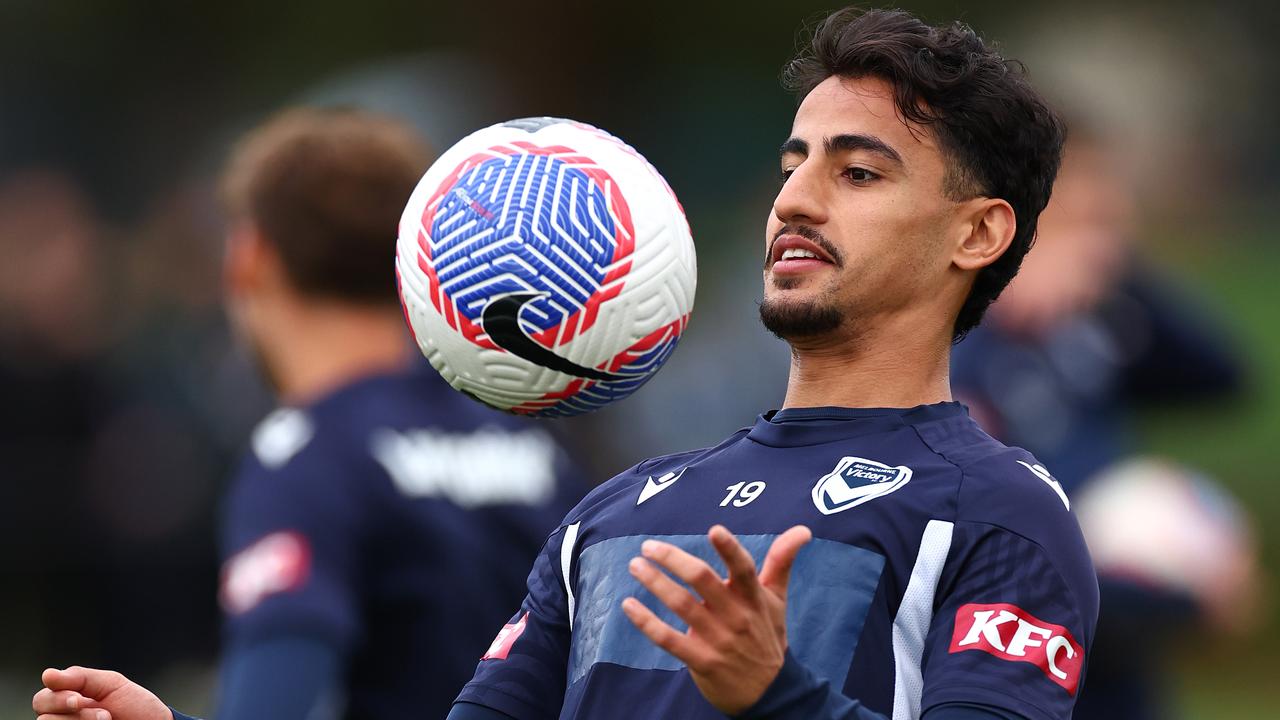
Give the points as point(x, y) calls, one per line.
point(801, 199)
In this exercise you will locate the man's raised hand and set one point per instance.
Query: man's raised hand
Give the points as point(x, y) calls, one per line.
point(737, 637)
point(79, 693)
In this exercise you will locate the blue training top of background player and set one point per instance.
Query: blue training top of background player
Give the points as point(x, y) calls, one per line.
point(384, 530)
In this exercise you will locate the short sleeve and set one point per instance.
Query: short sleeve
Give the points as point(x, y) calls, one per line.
point(1017, 601)
point(523, 673)
point(290, 546)
point(1008, 630)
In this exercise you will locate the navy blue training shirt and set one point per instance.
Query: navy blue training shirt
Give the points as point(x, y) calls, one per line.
point(391, 525)
point(946, 568)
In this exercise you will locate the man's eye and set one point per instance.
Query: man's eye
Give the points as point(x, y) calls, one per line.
point(860, 175)
point(785, 174)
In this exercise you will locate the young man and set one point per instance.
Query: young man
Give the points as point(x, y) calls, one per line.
point(383, 523)
point(911, 565)
point(934, 572)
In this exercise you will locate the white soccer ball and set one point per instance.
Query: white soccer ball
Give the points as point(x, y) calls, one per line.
point(545, 267)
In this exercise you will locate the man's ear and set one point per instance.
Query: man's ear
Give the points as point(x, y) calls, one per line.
point(986, 232)
point(250, 262)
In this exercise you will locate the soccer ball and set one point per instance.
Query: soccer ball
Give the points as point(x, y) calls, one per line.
point(545, 267)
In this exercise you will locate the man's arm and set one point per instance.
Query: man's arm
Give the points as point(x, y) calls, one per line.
point(291, 540)
point(286, 677)
point(798, 693)
point(523, 673)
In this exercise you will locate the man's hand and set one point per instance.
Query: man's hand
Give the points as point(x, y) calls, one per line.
point(737, 638)
point(85, 694)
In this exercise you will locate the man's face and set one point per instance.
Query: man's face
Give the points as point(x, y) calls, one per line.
point(858, 232)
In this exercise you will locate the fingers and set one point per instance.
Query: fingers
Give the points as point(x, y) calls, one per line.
point(70, 694)
point(681, 601)
point(782, 555)
point(65, 705)
point(696, 573)
point(740, 564)
point(66, 702)
point(56, 679)
point(87, 681)
point(682, 646)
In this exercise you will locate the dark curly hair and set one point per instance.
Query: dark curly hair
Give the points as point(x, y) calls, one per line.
point(1000, 138)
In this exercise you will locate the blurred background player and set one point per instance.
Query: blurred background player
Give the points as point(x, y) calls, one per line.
point(1088, 331)
point(382, 523)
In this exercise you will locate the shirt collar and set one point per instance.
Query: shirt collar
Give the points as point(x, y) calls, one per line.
point(795, 427)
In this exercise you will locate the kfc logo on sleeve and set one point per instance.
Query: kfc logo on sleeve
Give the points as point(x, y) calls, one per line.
point(507, 637)
point(1011, 633)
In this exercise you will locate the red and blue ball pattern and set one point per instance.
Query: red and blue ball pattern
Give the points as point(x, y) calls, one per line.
point(521, 217)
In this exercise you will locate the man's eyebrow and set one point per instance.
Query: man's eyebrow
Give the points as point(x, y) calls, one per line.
point(843, 143)
point(869, 143)
point(794, 146)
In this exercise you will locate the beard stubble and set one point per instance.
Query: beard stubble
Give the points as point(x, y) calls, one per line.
point(799, 319)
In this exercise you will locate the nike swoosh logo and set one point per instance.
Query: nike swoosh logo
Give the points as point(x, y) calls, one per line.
point(501, 321)
point(653, 487)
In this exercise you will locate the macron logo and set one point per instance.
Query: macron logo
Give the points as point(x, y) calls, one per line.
point(1011, 633)
point(1041, 472)
point(653, 487)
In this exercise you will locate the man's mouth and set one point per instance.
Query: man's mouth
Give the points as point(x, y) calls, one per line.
point(793, 254)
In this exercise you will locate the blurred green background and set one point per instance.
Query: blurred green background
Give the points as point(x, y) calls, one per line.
point(1234, 679)
point(125, 401)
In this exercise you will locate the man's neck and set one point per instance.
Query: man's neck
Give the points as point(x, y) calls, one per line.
point(902, 365)
point(323, 347)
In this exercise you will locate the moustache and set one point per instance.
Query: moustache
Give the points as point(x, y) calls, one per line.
point(808, 233)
